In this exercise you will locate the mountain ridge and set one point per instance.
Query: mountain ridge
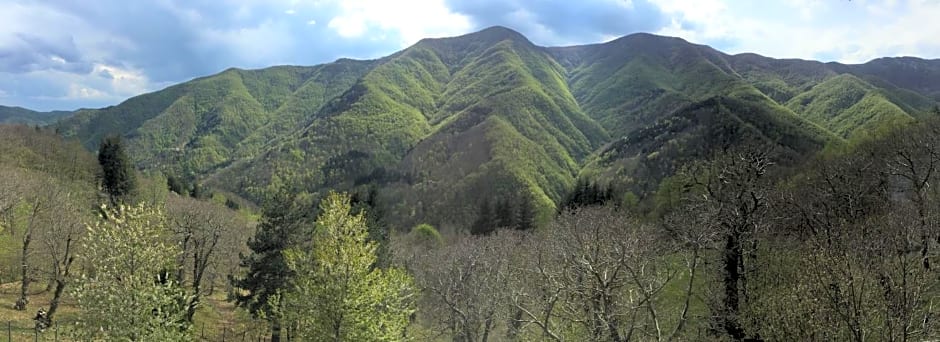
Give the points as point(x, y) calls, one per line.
point(20, 115)
point(448, 123)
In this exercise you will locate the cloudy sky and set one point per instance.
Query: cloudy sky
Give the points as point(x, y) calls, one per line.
point(68, 54)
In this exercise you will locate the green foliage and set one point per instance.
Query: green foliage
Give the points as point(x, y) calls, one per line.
point(853, 108)
point(43, 151)
point(488, 113)
point(284, 222)
point(118, 178)
point(486, 221)
point(426, 235)
point(587, 194)
point(337, 294)
point(126, 294)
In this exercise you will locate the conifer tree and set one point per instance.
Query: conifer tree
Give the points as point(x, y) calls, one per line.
point(486, 219)
point(283, 224)
point(526, 219)
point(118, 178)
point(505, 214)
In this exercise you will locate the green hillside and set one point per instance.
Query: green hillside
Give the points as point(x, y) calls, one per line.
point(448, 123)
point(508, 104)
point(196, 127)
point(19, 115)
point(845, 104)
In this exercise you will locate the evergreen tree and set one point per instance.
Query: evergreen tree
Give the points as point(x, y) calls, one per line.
point(175, 184)
point(283, 224)
point(486, 219)
point(118, 178)
point(505, 215)
point(526, 214)
point(338, 294)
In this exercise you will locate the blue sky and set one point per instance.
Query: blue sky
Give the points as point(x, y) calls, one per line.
point(70, 54)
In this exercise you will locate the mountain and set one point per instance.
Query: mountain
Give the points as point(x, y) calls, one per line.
point(19, 115)
point(446, 124)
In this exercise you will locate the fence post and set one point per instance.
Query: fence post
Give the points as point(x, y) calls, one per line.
point(10, 331)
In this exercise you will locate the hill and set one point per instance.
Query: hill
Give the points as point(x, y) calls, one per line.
point(446, 124)
point(19, 115)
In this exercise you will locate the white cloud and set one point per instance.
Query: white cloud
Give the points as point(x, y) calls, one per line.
point(849, 32)
point(81, 92)
point(411, 21)
point(311, 22)
point(290, 12)
point(259, 46)
point(123, 82)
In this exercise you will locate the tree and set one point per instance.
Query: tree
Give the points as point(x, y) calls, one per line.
point(526, 219)
point(505, 214)
point(61, 240)
point(730, 188)
point(284, 223)
point(37, 204)
point(203, 229)
point(118, 178)
point(426, 236)
point(337, 293)
point(464, 285)
point(486, 221)
point(595, 275)
point(125, 293)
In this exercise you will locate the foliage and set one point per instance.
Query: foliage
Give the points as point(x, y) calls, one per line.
point(487, 114)
point(587, 193)
point(426, 235)
point(126, 292)
point(336, 293)
point(284, 223)
point(118, 178)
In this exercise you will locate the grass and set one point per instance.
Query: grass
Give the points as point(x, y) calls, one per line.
point(215, 318)
point(20, 325)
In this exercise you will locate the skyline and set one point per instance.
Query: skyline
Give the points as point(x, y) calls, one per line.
point(59, 55)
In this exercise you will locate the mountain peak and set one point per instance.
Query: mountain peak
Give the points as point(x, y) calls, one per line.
point(495, 34)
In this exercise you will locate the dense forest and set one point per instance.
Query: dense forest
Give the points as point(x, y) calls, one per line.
point(482, 188)
point(735, 246)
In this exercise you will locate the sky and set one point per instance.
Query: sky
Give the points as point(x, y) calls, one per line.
point(69, 54)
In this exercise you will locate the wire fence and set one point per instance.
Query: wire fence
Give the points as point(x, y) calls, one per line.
point(26, 331)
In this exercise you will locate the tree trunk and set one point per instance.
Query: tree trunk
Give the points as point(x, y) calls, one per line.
point(24, 267)
point(731, 263)
point(56, 298)
point(275, 330)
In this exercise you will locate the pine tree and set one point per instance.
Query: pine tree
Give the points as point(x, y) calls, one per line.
point(505, 214)
point(486, 219)
point(526, 213)
point(283, 225)
point(118, 178)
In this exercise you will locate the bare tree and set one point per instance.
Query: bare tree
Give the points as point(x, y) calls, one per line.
point(464, 285)
point(40, 198)
point(912, 158)
point(60, 238)
point(204, 229)
point(731, 189)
